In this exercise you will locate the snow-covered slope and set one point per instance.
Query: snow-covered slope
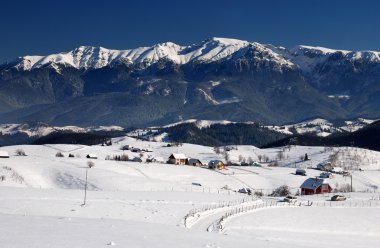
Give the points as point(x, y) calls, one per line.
point(133, 204)
point(41, 129)
point(322, 127)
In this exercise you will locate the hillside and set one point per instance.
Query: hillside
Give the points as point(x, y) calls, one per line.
point(150, 204)
point(366, 137)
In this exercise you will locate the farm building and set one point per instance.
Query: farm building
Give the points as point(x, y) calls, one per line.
point(301, 172)
point(315, 186)
point(136, 159)
point(195, 162)
point(92, 156)
point(4, 154)
point(178, 158)
point(324, 166)
point(216, 164)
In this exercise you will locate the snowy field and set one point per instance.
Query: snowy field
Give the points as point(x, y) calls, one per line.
point(132, 204)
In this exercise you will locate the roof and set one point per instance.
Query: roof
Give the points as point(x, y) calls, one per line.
point(193, 160)
point(215, 162)
point(92, 155)
point(4, 154)
point(313, 183)
point(178, 156)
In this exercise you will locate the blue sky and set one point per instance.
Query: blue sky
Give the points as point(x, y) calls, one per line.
point(47, 26)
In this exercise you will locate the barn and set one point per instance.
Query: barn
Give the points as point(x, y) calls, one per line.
point(178, 158)
point(315, 186)
point(216, 164)
point(195, 162)
point(4, 154)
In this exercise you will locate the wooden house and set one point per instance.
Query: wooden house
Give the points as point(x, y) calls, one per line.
point(178, 158)
point(315, 186)
point(195, 162)
point(216, 164)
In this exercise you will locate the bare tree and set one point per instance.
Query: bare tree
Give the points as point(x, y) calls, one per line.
point(260, 157)
point(249, 160)
point(20, 152)
point(280, 155)
point(226, 157)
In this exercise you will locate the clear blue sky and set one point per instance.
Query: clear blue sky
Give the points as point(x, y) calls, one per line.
point(49, 26)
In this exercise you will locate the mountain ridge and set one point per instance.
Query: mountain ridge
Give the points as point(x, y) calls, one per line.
point(219, 78)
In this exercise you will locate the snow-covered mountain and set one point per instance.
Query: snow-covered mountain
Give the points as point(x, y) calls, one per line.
point(210, 50)
point(218, 79)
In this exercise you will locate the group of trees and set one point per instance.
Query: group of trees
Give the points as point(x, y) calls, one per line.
point(123, 157)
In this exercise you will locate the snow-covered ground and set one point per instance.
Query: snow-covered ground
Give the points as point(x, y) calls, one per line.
point(131, 204)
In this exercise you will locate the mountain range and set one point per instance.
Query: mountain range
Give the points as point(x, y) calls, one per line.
point(219, 79)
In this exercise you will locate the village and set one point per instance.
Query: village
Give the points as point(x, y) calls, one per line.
point(200, 189)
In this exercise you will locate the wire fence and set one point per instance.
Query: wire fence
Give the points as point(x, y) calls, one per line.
point(219, 224)
point(196, 213)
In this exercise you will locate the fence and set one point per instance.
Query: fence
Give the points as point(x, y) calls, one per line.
point(197, 212)
point(219, 224)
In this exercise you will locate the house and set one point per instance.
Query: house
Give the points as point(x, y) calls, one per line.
point(92, 156)
point(178, 158)
point(136, 159)
point(216, 164)
point(126, 147)
point(4, 154)
point(135, 149)
point(195, 162)
point(324, 166)
point(301, 172)
point(315, 186)
point(151, 159)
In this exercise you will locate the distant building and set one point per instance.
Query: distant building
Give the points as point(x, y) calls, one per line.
point(301, 172)
point(178, 158)
point(216, 164)
point(195, 162)
point(4, 154)
point(324, 166)
point(315, 186)
point(92, 156)
point(136, 159)
point(135, 149)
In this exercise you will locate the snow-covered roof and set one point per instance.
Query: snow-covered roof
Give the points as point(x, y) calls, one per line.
point(92, 155)
point(4, 154)
point(178, 156)
point(313, 183)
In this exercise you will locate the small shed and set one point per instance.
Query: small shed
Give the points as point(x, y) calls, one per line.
point(216, 164)
point(4, 154)
point(178, 158)
point(136, 159)
point(315, 186)
point(92, 156)
point(324, 166)
point(195, 162)
point(301, 172)
point(135, 149)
